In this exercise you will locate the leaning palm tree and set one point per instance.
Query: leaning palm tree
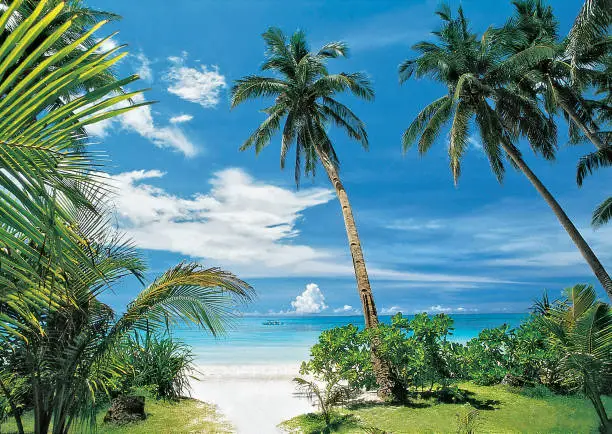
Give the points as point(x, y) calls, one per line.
point(304, 95)
point(480, 81)
point(582, 327)
point(65, 350)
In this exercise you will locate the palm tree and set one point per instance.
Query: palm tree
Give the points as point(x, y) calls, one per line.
point(591, 25)
point(65, 350)
point(480, 80)
point(561, 81)
point(531, 36)
point(582, 327)
point(304, 97)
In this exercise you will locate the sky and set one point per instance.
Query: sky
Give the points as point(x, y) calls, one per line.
point(184, 191)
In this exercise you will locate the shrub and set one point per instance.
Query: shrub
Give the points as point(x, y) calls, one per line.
point(160, 365)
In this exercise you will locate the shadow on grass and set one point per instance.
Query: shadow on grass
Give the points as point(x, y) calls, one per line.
point(314, 423)
point(429, 399)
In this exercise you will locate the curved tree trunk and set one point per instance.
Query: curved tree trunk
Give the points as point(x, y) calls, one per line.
point(388, 387)
point(583, 247)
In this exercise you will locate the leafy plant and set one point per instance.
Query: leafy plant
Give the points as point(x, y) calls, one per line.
point(582, 327)
point(467, 420)
point(162, 364)
point(326, 397)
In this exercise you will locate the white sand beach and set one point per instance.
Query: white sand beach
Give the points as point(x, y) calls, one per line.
point(254, 398)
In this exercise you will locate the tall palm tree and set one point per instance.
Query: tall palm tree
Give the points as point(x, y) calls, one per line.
point(480, 81)
point(65, 350)
point(582, 327)
point(304, 98)
point(561, 81)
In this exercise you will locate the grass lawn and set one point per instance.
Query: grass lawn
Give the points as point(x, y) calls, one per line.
point(184, 416)
point(500, 410)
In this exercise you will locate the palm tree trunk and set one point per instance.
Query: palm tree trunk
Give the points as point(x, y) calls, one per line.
point(583, 247)
point(593, 395)
point(586, 130)
point(388, 387)
point(14, 409)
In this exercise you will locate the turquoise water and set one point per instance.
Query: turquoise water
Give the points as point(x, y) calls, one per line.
point(252, 342)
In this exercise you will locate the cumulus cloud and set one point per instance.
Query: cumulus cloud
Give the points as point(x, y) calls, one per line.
point(140, 121)
point(345, 309)
point(180, 119)
point(201, 84)
point(311, 300)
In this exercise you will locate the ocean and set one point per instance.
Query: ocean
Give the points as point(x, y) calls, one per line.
point(250, 341)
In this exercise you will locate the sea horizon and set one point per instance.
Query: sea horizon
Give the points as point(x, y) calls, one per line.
point(250, 341)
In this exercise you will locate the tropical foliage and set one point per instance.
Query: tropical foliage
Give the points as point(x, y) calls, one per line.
point(59, 253)
point(325, 396)
point(563, 346)
point(161, 364)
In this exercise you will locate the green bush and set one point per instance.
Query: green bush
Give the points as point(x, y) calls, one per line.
point(159, 365)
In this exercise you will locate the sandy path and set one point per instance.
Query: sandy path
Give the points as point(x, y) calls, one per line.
point(255, 398)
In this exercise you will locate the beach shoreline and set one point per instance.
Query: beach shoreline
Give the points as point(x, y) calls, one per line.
point(254, 398)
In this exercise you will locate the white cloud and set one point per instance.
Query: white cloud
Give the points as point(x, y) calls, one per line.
point(140, 121)
point(246, 225)
point(144, 67)
point(345, 309)
point(445, 309)
point(180, 119)
point(107, 45)
point(391, 310)
point(201, 85)
point(240, 222)
point(311, 300)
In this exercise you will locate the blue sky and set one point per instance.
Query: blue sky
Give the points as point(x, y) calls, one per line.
point(186, 192)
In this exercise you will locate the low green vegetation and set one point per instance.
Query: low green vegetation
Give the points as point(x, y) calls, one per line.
point(564, 347)
point(163, 417)
point(499, 409)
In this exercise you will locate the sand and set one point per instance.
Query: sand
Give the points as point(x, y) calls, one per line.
point(254, 398)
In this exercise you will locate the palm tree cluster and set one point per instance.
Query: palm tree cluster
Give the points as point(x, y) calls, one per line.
point(59, 252)
point(508, 84)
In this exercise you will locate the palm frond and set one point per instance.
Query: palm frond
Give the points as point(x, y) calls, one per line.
point(603, 213)
point(593, 161)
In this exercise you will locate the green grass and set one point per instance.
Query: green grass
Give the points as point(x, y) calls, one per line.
point(501, 411)
point(184, 416)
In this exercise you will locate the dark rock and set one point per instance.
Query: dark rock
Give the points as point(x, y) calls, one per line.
point(126, 409)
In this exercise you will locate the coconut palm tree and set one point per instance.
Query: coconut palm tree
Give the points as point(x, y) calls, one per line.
point(304, 95)
point(582, 327)
point(531, 36)
point(561, 82)
point(66, 350)
point(480, 80)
